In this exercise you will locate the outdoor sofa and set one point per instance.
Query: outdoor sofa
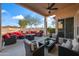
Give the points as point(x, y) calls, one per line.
point(63, 51)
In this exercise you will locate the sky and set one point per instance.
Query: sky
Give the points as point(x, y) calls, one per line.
point(12, 13)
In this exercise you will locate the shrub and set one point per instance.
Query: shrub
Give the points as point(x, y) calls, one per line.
point(51, 30)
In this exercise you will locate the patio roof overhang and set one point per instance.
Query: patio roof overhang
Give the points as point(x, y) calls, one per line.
point(64, 9)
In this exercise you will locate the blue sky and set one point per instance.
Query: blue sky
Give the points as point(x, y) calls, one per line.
point(11, 13)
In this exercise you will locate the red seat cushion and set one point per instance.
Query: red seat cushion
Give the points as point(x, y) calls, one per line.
point(6, 36)
point(18, 33)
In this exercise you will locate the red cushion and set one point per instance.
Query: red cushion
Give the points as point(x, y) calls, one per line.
point(6, 36)
point(15, 33)
point(18, 33)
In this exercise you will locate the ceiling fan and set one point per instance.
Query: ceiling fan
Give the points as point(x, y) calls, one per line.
point(50, 7)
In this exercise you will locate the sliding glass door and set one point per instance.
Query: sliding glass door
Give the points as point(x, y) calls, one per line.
point(67, 28)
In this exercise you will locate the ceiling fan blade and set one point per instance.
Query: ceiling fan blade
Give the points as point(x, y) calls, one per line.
point(54, 9)
point(51, 6)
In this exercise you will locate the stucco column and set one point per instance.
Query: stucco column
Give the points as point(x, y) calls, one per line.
point(56, 29)
point(45, 25)
point(76, 25)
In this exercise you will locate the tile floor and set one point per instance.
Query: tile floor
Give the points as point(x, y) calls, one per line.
point(18, 49)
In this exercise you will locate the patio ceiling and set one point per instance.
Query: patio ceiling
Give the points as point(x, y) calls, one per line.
point(64, 9)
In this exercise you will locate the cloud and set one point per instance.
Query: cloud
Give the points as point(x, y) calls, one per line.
point(3, 11)
point(19, 17)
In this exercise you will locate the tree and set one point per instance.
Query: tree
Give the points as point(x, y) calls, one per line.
point(29, 20)
point(23, 23)
point(33, 21)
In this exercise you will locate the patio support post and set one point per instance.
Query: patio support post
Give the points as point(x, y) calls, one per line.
point(45, 25)
point(56, 30)
point(76, 25)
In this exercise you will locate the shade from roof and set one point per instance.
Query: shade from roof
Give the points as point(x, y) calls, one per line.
point(64, 9)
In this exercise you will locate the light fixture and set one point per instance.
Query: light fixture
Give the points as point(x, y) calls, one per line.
point(49, 11)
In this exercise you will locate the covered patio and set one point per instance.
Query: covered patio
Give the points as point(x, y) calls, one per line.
point(67, 24)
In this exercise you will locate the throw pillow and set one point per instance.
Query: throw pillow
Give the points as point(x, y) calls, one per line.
point(76, 45)
point(76, 48)
point(74, 42)
point(68, 44)
point(63, 44)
